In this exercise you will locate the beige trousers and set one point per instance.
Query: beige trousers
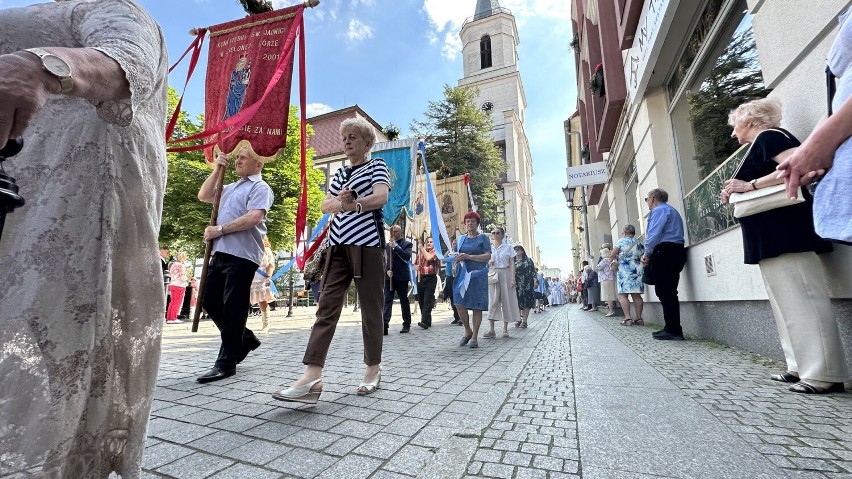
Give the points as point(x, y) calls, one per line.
point(798, 293)
point(503, 298)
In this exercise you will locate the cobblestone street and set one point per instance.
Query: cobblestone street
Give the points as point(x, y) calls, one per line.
point(574, 395)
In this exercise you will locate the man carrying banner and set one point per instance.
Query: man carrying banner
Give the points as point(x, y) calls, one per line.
point(398, 275)
point(237, 254)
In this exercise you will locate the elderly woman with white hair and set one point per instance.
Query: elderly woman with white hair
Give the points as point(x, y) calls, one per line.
point(783, 243)
point(606, 278)
point(356, 251)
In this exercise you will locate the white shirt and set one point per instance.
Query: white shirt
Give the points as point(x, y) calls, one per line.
point(502, 255)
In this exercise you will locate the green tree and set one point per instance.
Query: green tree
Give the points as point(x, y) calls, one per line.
point(184, 217)
point(458, 141)
point(736, 78)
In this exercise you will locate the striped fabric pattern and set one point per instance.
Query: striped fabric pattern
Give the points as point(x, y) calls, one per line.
point(348, 227)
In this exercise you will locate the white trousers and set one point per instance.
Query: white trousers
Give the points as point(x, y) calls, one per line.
point(503, 298)
point(798, 293)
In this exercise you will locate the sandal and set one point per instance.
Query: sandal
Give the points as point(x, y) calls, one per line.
point(806, 388)
point(369, 388)
point(305, 394)
point(523, 324)
point(627, 322)
point(639, 322)
point(785, 377)
point(518, 323)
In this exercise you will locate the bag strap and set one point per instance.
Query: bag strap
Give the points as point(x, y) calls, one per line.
point(742, 162)
point(830, 87)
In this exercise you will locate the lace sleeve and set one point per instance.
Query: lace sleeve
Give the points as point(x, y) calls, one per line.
point(124, 32)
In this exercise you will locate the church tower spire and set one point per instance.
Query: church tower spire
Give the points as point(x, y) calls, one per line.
point(484, 8)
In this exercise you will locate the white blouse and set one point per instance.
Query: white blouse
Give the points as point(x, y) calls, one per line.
point(502, 255)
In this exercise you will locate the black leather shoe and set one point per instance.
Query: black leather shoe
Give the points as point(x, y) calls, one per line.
point(249, 348)
point(667, 336)
point(657, 333)
point(386, 331)
point(423, 326)
point(216, 374)
point(404, 330)
point(455, 321)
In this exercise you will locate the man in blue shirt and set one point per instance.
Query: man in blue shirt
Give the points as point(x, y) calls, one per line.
point(665, 253)
point(237, 254)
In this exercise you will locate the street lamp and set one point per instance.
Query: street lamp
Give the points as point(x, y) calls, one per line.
point(568, 191)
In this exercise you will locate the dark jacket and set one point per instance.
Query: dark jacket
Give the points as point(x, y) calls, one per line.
point(400, 260)
point(591, 280)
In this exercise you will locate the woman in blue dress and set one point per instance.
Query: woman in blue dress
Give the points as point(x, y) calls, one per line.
point(628, 251)
point(474, 252)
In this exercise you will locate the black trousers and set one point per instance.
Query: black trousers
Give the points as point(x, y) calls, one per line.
point(426, 297)
point(400, 289)
point(448, 293)
point(187, 301)
point(226, 300)
point(668, 260)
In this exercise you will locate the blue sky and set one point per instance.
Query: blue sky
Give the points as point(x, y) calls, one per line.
point(392, 57)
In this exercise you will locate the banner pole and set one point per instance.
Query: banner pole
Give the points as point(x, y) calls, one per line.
point(208, 247)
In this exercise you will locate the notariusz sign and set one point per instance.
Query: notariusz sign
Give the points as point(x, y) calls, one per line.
point(591, 174)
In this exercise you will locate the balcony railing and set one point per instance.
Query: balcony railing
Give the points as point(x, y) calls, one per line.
point(494, 11)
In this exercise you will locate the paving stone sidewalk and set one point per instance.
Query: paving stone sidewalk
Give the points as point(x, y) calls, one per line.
point(574, 395)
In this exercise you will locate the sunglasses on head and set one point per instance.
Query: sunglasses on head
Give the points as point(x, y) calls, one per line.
point(496, 233)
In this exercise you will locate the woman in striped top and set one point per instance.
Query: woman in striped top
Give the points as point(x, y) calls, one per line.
point(356, 251)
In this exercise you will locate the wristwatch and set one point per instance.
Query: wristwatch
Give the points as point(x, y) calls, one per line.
point(358, 207)
point(221, 230)
point(753, 183)
point(56, 67)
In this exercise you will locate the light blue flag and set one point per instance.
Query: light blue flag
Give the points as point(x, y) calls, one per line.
point(400, 169)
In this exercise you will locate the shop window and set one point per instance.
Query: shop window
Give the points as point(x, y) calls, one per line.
point(713, 76)
point(485, 52)
point(634, 216)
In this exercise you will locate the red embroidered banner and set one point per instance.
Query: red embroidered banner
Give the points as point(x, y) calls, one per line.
point(249, 73)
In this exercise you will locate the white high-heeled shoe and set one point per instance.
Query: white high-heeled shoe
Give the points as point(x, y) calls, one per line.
point(370, 388)
point(301, 394)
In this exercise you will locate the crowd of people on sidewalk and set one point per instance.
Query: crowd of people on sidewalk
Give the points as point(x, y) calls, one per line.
point(81, 356)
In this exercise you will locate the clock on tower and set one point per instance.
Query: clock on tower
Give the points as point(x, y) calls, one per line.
point(487, 106)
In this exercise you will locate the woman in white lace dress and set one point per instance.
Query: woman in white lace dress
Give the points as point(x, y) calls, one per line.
point(78, 366)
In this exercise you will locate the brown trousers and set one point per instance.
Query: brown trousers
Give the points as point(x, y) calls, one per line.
point(367, 266)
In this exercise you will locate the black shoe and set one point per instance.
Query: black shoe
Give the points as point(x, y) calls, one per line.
point(251, 347)
point(423, 326)
point(216, 374)
point(456, 321)
point(667, 336)
point(657, 333)
point(386, 331)
point(404, 330)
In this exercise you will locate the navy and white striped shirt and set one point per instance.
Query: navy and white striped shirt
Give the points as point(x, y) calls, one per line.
point(348, 227)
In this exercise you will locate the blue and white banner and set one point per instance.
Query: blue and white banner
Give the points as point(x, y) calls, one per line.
point(400, 156)
point(303, 247)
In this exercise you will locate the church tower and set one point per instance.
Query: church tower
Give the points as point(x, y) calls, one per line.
point(490, 57)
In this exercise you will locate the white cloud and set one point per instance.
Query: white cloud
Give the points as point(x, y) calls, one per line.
point(366, 3)
point(316, 109)
point(358, 31)
point(447, 17)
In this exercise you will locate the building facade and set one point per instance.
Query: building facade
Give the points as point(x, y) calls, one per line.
point(490, 56)
point(656, 80)
point(326, 140)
